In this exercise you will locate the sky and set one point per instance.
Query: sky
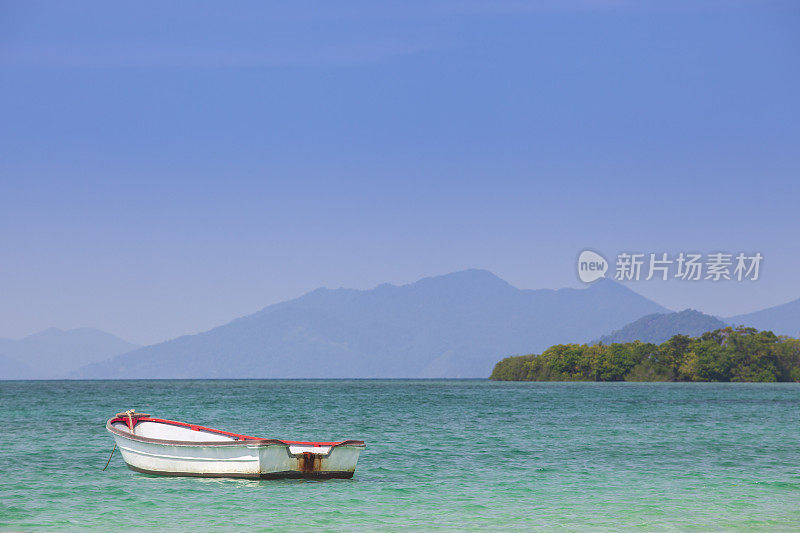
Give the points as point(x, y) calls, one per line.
point(167, 167)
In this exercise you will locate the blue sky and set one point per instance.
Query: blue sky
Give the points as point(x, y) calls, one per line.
point(165, 168)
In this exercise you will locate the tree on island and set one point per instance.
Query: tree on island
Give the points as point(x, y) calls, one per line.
point(728, 354)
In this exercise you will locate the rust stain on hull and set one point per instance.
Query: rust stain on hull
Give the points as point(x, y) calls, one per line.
point(309, 463)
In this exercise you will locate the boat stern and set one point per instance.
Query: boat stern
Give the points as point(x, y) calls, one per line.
point(310, 460)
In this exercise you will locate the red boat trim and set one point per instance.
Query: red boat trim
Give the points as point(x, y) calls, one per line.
point(241, 439)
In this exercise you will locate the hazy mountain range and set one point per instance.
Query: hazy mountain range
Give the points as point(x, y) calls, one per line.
point(659, 327)
point(54, 353)
point(782, 319)
point(455, 325)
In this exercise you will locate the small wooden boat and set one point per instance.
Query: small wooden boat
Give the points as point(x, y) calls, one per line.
point(165, 447)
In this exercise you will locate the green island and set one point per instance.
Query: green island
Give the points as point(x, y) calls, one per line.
point(727, 354)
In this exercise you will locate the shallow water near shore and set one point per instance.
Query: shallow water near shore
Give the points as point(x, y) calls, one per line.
point(445, 454)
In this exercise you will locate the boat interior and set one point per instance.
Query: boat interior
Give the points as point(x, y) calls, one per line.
point(156, 428)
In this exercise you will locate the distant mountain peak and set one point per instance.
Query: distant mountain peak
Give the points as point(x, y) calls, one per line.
point(472, 277)
point(658, 327)
point(54, 353)
point(474, 274)
point(47, 332)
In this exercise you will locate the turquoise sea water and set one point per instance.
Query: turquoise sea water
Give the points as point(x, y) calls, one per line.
point(440, 454)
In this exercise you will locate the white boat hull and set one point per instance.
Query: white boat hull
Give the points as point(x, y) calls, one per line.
point(186, 452)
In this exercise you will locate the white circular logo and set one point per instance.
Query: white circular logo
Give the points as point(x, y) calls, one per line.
point(591, 266)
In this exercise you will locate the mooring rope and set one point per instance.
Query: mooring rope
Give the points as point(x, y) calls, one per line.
point(130, 412)
point(110, 456)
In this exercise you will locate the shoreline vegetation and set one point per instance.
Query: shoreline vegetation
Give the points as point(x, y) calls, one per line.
point(738, 354)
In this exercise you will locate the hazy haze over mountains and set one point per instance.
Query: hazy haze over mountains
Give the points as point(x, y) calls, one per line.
point(455, 325)
point(54, 353)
